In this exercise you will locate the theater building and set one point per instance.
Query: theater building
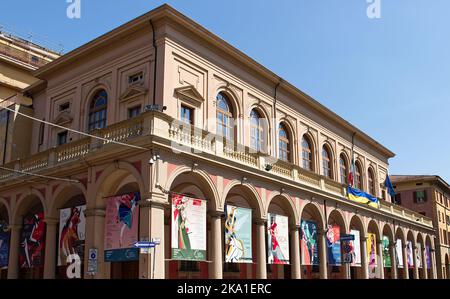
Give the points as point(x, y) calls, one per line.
point(233, 171)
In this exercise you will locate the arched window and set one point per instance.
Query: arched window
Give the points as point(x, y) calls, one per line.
point(97, 110)
point(358, 176)
point(307, 154)
point(343, 167)
point(327, 163)
point(256, 131)
point(224, 117)
point(371, 181)
point(284, 144)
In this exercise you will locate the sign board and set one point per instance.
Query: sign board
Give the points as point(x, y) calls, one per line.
point(122, 255)
point(92, 261)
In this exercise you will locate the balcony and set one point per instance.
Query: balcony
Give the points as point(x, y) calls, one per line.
point(156, 127)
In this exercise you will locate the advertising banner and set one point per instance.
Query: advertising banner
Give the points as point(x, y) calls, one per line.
point(72, 228)
point(32, 241)
point(4, 245)
point(188, 228)
point(238, 235)
point(347, 248)
point(399, 253)
point(121, 228)
point(278, 239)
point(334, 245)
point(419, 255)
point(428, 256)
point(409, 254)
point(386, 253)
point(356, 245)
point(309, 246)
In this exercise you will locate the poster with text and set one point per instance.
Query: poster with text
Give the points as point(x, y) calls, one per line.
point(409, 254)
point(309, 246)
point(356, 245)
point(399, 253)
point(238, 235)
point(72, 228)
point(334, 245)
point(419, 255)
point(121, 227)
point(32, 241)
point(4, 245)
point(278, 239)
point(371, 250)
point(428, 256)
point(386, 253)
point(188, 228)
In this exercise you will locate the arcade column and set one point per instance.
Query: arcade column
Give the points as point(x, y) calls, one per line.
point(295, 249)
point(433, 264)
point(424, 263)
point(216, 245)
point(50, 248)
point(364, 261)
point(380, 262)
point(13, 264)
point(261, 261)
point(323, 260)
point(405, 262)
point(394, 272)
point(95, 238)
point(416, 265)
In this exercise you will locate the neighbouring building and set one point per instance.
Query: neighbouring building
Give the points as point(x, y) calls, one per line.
point(429, 195)
point(230, 170)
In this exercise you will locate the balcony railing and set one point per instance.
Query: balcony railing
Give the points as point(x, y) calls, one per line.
point(193, 140)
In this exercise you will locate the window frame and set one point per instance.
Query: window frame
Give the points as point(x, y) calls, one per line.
point(100, 110)
point(307, 154)
point(284, 152)
point(227, 131)
point(327, 162)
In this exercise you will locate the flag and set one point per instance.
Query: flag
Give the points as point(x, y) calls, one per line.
point(362, 197)
point(389, 186)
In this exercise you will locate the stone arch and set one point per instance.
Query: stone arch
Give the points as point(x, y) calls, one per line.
point(286, 203)
point(373, 226)
point(292, 138)
point(312, 209)
point(254, 200)
point(5, 204)
point(62, 195)
point(388, 232)
point(314, 150)
point(338, 216)
point(358, 223)
point(85, 102)
point(233, 98)
point(329, 148)
point(26, 202)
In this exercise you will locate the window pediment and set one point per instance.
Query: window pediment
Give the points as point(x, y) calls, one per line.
point(63, 118)
point(132, 92)
point(190, 93)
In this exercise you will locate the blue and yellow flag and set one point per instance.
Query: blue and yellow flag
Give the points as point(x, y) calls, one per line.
point(362, 197)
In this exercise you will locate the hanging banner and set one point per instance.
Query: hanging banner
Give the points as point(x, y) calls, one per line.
point(32, 241)
point(428, 256)
point(419, 255)
point(72, 228)
point(278, 239)
point(309, 246)
point(409, 254)
point(347, 248)
point(386, 253)
point(121, 228)
point(4, 245)
point(188, 228)
point(356, 245)
point(399, 253)
point(334, 245)
point(372, 250)
point(238, 235)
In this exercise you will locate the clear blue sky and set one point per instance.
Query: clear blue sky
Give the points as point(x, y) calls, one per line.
point(390, 77)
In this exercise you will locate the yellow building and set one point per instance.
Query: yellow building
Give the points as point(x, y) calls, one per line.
point(192, 126)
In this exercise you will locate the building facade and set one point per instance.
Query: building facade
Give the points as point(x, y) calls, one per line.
point(175, 114)
point(429, 196)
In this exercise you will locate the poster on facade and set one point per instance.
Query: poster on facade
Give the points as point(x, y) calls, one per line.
point(4, 245)
point(356, 245)
point(372, 254)
point(409, 254)
point(399, 253)
point(334, 245)
point(347, 248)
point(32, 241)
point(386, 253)
point(419, 255)
point(72, 228)
point(309, 246)
point(121, 227)
point(188, 228)
point(238, 235)
point(428, 256)
point(278, 239)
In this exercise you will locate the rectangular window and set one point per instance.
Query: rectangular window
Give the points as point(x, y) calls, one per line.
point(134, 111)
point(187, 115)
point(136, 78)
point(383, 194)
point(398, 199)
point(62, 138)
point(420, 196)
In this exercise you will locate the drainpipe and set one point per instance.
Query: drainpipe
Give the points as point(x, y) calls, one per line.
point(156, 61)
point(275, 128)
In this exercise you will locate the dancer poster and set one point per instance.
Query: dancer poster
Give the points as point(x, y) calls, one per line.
point(386, 254)
point(309, 246)
point(278, 239)
point(356, 245)
point(121, 228)
point(188, 228)
point(334, 245)
point(399, 253)
point(409, 254)
point(419, 255)
point(32, 241)
point(72, 224)
point(4, 245)
point(238, 235)
point(428, 256)
point(371, 250)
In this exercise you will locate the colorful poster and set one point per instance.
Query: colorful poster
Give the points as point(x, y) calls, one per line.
point(419, 255)
point(356, 245)
point(386, 253)
point(72, 230)
point(372, 250)
point(334, 245)
point(399, 253)
point(347, 249)
point(409, 254)
point(309, 246)
point(238, 235)
point(121, 227)
point(4, 245)
point(278, 239)
point(188, 228)
point(428, 256)
point(32, 241)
